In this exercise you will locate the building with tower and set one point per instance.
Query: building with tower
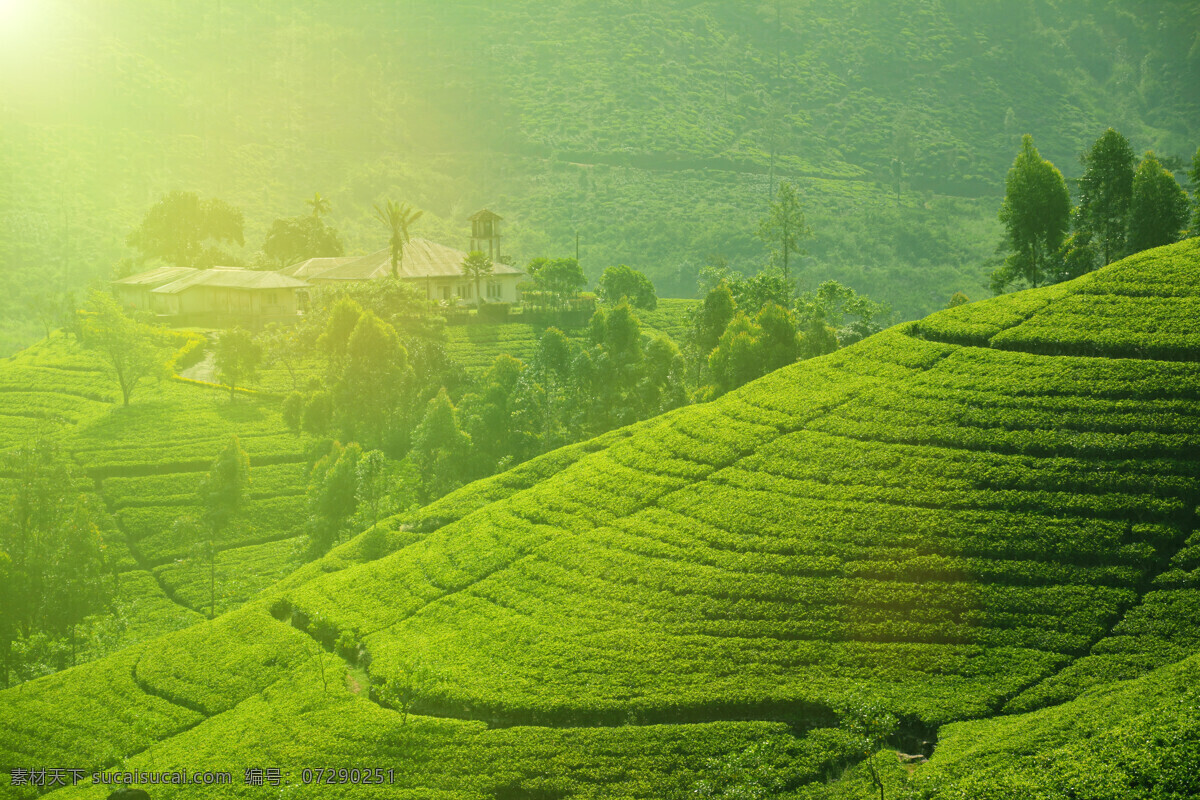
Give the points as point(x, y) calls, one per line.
point(485, 233)
point(234, 296)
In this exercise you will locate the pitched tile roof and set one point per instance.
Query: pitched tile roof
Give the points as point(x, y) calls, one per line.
point(314, 266)
point(422, 259)
point(155, 277)
point(231, 278)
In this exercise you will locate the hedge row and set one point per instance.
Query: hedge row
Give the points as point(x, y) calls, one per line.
point(179, 488)
point(975, 324)
point(152, 528)
point(1116, 326)
point(241, 573)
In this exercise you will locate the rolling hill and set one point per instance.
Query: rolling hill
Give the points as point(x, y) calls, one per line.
point(988, 515)
point(653, 131)
point(144, 462)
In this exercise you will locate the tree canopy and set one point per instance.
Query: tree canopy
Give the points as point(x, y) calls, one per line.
point(184, 230)
point(752, 346)
point(236, 357)
point(1035, 213)
point(296, 239)
point(53, 569)
point(1104, 193)
point(440, 447)
point(476, 266)
point(623, 282)
point(133, 350)
point(222, 494)
point(1158, 209)
point(560, 279)
point(1194, 177)
point(784, 227)
point(398, 218)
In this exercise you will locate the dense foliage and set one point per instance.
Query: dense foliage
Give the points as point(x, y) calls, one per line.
point(1035, 214)
point(53, 564)
point(183, 230)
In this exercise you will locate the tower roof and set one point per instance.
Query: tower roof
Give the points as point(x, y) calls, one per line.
point(484, 214)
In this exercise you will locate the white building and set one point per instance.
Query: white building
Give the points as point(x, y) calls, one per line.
point(430, 266)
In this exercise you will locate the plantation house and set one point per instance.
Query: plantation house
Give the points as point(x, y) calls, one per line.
point(434, 268)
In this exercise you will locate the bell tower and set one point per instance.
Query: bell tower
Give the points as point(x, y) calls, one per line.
point(485, 233)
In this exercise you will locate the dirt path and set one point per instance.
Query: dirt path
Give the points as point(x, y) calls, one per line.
point(202, 370)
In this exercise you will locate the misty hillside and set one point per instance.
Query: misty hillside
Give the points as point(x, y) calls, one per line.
point(653, 131)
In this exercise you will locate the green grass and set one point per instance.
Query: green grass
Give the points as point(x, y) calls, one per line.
point(956, 531)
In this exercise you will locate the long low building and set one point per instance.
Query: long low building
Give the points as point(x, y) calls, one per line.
point(218, 297)
point(224, 296)
point(133, 292)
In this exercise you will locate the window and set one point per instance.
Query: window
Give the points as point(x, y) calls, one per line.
point(493, 290)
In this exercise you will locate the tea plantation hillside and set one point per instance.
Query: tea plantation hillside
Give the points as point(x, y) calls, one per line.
point(989, 515)
point(145, 462)
point(476, 347)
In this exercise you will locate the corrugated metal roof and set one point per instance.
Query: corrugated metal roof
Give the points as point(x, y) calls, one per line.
point(422, 259)
point(155, 277)
point(314, 266)
point(231, 278)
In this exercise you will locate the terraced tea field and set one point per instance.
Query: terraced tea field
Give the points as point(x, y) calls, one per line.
point(145, 462)
point(984, 526)
point(476, 347)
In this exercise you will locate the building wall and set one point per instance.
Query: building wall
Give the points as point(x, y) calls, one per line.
point(226, 307)
point(137, 297)
point(495, 289)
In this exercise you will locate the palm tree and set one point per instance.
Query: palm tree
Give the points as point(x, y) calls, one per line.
point(398, 217)
point(320, 205)
point(476, 265)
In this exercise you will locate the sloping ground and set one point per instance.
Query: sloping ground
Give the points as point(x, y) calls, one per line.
point(1139, 738)
point(145, 462)
point(476, 347)
point(945, 518)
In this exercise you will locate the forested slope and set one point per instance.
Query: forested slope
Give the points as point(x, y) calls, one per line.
point(654, 131)
point(952, 518)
